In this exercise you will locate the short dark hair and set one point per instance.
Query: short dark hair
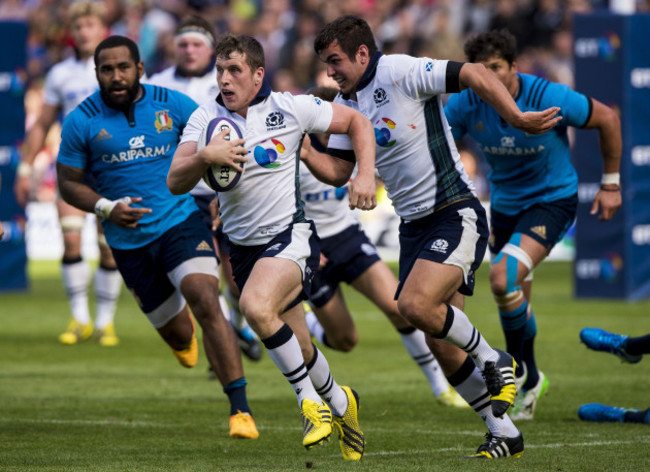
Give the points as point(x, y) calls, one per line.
point(493, 43)
point(350, 32)
point(115, 42)
point(326, 93)
point(251, 47)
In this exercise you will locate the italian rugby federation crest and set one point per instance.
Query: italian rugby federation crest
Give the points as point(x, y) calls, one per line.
point(163, 121)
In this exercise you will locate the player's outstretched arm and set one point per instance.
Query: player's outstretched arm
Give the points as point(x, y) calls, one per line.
point(188, 165)
point(608, 199)
point(494, 93)
point(362, 189)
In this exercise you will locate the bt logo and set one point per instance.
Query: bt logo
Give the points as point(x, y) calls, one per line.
point(267, 157)
point(604, 47)
point(382, 133)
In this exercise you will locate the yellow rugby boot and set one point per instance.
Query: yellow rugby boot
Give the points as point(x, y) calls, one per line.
point(242, 426)
point(316, 423)
point(76, 332)
point(190, 356)
point(351, 439)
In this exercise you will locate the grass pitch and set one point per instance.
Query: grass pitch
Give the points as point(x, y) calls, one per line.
point(133, 408)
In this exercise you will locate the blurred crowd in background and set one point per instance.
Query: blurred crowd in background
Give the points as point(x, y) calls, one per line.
point(286, 28)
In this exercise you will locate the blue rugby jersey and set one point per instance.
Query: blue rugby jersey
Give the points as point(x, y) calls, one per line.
point(130, 156)
point(524, 169)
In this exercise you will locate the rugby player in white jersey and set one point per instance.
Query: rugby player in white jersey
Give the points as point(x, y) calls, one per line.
point(67, 84)
point(443, 233)
point(274, 249)
point(195, 75)
point(348, 255)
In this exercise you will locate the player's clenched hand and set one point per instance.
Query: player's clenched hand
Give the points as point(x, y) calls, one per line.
point(126, 216)
point(537, 122)
point(363, 193)
point(608, 202)
point(220, 151)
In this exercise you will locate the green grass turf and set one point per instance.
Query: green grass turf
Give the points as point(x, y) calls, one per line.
point(133, 408)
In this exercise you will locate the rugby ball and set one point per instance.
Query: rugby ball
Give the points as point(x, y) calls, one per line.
point(220, 178)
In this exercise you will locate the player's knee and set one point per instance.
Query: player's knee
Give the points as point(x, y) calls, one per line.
point(509, 269)
point(498, 282)
point(71, 224)
point(506, 275)
point(396, 318)
point(422, 313)
point(255, 311)
point(409, 308)
point(201, 292)
point(346, 342)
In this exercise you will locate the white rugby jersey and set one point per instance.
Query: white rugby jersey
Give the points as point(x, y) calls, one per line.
point(416, 155)
point(200, 89)
point(69, 83)
point(267, 197)
point(328, 206)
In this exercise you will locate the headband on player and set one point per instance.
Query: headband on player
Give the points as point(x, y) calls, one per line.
point(195, 32)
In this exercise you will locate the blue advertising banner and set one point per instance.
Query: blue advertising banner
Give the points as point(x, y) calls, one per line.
point(613, 66)
point(637, 223)
point(13, 258)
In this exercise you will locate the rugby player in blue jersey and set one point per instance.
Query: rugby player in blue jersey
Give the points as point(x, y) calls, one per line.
point(125, 135)
point(443, 233)
point(533, 189)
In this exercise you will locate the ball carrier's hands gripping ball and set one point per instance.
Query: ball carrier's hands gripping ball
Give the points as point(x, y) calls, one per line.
point(220, 178)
